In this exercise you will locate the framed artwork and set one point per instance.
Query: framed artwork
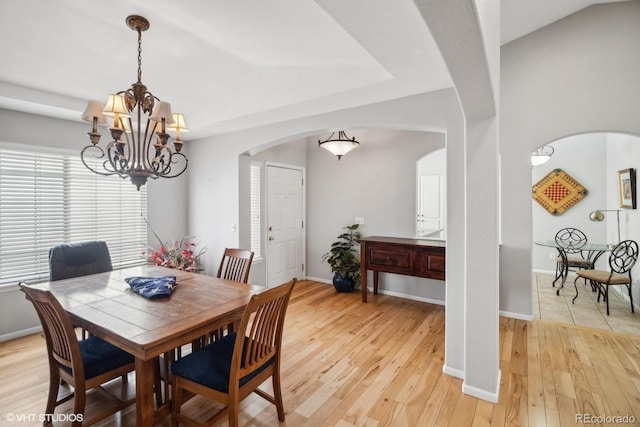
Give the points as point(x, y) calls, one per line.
point(558, 192)
point(627, 188)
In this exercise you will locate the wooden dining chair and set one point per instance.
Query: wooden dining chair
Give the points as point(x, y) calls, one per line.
point(571, 240)
point(231, 368)
point(621, 260)
point(84, 365)
point(235, 265)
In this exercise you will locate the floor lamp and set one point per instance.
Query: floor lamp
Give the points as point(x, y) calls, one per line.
point(599, 216)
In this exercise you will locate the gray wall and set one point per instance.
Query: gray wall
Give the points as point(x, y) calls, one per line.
point(577, 75)
point(376, 181)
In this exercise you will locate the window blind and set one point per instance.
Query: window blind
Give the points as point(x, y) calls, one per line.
point(256, 246)
point(49, 199)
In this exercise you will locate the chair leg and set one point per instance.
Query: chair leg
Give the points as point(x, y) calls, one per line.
point(277, 395)
point(176, 402)
point(630, 297)
point(79, 402)
point(54, 387)
point(606, 296)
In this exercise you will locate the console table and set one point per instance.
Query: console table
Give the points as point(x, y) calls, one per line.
point(410, 257)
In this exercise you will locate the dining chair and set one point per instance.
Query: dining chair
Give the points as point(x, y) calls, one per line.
point(78, 259)
point(621, 260)
point(84, 365)
point(232, 367)
point(235, 265)
point(571, 241)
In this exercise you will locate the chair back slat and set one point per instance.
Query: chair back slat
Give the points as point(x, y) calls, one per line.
point(259, 336)
point(235, 265)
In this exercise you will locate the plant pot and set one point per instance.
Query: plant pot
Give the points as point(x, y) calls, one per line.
point(343, 284)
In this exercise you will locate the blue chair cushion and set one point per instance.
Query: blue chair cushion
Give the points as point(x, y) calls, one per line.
point(98, 357)
point(211, 365)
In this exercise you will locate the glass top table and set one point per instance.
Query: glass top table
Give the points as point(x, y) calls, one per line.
point(590, 251)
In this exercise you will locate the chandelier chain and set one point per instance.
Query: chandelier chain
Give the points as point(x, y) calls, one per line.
point(139, 56)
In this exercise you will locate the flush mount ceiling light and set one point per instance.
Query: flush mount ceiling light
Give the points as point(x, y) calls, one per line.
point(340, 145)
point(541, 155)
point(137, 115)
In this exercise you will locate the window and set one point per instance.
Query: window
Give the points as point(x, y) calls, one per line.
point(256, 246)
point(48, 199)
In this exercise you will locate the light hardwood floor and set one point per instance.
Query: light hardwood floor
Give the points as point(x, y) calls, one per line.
point(380, 364)
point(586, 310)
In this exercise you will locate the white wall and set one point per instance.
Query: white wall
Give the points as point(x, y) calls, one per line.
point(375, 181)
point(623, 152)
point(577, 75)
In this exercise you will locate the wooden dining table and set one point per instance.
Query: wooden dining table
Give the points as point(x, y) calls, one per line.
point(107, 307)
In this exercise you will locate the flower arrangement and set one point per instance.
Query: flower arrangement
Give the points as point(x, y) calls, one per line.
point(179, 255)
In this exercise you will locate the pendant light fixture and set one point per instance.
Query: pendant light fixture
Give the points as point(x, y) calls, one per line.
point(340, 145)
point(137, 116)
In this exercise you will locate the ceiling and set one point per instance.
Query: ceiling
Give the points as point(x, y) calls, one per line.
point(229, 65)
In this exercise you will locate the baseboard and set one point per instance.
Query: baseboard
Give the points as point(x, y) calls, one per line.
point(318, 279)
point(21, 333)
point(453, 372)
point(484, 394)
point(519, 316)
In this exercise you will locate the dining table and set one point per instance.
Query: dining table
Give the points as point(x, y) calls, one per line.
point(106, 306)
point(593, 251)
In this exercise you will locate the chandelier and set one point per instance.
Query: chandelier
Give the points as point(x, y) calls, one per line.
point(340, 145)
point(137, 116)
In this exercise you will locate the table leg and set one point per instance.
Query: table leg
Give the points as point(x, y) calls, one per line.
point(565, 269)
point(375, 282)
point(363, 285)
point(144, 392)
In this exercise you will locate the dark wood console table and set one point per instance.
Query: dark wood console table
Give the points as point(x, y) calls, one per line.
point(410, 257)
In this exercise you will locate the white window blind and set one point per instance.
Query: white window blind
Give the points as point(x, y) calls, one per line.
point(256, 246)
point(49, 199)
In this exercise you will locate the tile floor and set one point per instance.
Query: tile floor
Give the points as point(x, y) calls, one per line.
point(586, 311)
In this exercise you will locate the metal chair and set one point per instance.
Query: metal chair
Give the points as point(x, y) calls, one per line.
point(84, 365)
point(232, 367)
point(235, 265)
point(571, 240)
point(622, 259)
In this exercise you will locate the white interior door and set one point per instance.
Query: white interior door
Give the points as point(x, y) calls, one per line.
point(285, 227)
point(430, 220)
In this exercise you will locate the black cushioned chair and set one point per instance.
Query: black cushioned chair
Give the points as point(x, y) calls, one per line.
point(232, 367)
point(78, 259)
point(82, 364)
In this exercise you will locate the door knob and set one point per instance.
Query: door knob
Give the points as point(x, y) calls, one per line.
point(270, 237)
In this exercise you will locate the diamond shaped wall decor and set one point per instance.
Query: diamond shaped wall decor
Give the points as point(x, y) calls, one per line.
point(558, 192)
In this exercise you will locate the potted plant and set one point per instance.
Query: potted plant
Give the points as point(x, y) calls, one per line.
point(344, 259)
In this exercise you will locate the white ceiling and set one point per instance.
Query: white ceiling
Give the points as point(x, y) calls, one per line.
point(229, 65)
